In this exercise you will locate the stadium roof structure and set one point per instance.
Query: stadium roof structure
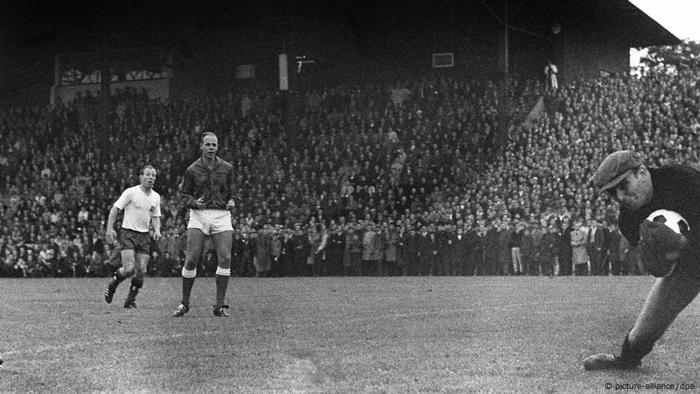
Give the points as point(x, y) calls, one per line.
point(639, 29)
point(595, 34)
point(82, 22)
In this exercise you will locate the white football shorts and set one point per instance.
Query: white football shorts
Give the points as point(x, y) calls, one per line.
point(210, 221)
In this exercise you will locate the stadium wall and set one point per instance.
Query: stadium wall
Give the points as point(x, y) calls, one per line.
point(156, 88)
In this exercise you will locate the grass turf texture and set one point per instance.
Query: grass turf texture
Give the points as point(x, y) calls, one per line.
point(345, 335)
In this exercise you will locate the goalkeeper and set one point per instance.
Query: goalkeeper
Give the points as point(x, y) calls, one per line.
point(673, 258)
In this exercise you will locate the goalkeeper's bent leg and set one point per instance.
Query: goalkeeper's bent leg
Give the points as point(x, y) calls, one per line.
point(667, 298)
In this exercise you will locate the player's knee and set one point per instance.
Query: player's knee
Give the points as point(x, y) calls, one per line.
point(139, 273)
point(191, 262)
point(128, 271)
point(224, 258)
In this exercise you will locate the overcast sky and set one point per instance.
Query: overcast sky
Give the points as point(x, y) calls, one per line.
point(680, 17)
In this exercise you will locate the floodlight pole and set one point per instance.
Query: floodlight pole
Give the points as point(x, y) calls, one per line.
point(505, 42)
point(105, 92)
point(504, 110)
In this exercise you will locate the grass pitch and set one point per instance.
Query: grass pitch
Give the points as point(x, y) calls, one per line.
point(337, 335)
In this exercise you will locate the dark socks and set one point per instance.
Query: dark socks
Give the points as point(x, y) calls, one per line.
point(187, 284)
point(136, 284)
point(221, 285)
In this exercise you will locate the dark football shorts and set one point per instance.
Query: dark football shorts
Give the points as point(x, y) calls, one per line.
point(134, 240)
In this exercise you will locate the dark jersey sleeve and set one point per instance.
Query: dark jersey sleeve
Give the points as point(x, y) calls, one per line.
point(232, 190)
point(629, 226)
point(186, 190)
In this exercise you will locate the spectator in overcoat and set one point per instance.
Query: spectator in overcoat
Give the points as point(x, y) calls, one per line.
point(550, 243)
point(263, 252)
point(503, 248)
point(614, 255)
point(352, 257)
point(565, 253)
point(391, 241)
point(335, 250)
point(579, 248)
point(596, 248)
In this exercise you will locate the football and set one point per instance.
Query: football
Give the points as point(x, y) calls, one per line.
point(671, 219)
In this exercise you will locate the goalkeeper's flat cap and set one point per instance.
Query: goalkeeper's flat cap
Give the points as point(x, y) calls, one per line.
point(615, 168)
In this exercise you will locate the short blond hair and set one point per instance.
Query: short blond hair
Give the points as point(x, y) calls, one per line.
point(146, 167)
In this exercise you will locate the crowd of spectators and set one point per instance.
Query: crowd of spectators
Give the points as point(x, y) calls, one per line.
point(407, 178)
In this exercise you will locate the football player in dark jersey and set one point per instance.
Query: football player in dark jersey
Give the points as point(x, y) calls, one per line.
point(641, 190)
point(208, 191)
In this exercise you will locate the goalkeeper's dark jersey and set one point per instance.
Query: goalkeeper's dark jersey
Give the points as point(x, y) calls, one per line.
point(676, 188)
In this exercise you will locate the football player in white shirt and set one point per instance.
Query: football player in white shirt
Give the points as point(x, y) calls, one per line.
point(141, 206)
